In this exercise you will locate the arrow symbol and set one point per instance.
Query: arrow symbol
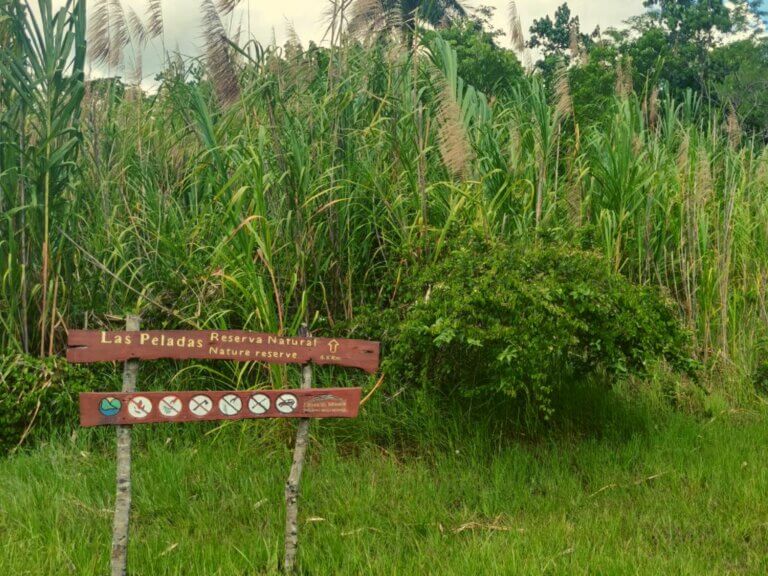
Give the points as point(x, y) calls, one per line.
point(333, 345)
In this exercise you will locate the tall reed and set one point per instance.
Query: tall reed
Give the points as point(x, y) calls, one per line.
point(274, 185)
point(39, 142)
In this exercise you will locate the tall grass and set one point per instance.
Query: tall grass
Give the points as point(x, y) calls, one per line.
point(312, 180)
point(41, 67)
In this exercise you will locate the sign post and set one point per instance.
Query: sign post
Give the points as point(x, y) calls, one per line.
point(119, 557)
point(128, 407)
point(294, 478)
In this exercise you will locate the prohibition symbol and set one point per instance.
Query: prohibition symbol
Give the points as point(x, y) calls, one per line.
point(286, 403)
point(139, 407)
point(170, 406)
point(259, 403)
point(200, 405)
point(230, 404)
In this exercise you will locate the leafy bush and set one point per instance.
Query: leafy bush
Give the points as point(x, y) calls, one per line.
point(494, 319)
point(38, 395)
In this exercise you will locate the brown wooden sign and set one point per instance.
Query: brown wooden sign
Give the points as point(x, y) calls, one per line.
point(118, 408)
point(100, 346)
point(123, 409)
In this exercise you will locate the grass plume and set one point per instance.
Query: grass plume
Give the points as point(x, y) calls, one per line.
point(218, 57)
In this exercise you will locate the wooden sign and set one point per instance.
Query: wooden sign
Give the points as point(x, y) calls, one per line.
point(101, 346)
point(117, 408)
point(123, 409)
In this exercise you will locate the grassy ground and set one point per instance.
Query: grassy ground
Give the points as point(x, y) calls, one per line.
point(685, 497)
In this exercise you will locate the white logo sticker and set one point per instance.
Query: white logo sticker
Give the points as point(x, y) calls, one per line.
point(200, 405)
point(230, 404)
point(139, 407)
point(286, 403)
point(259, 403)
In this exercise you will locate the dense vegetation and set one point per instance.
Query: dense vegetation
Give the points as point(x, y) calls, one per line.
point(260, 187)
point(492, 320)
point(563, 248)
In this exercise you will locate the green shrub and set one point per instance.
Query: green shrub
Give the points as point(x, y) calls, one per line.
point(37, 396)
point(523, 321)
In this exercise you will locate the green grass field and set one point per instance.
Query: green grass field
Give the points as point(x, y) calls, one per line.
point(682, 497)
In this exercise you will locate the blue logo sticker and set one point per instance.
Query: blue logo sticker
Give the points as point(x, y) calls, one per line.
point(110, 406)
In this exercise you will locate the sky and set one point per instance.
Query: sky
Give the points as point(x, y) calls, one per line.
point(268, 19)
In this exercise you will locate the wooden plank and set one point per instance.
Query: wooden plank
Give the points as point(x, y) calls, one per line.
point(117, 408)
point(100, 346)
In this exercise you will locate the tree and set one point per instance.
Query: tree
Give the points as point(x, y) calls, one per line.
point(593, 83)
point(405, 15)
point(691, 20)
point(433, 12)
point(743, 71)
point(683, 34)
point(482, 62)
point(557, 38)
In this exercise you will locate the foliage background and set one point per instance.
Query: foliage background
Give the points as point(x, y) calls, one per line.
point(265, 186)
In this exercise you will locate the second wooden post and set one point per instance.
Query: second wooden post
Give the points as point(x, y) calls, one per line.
point(294, 478)
point(119, 560)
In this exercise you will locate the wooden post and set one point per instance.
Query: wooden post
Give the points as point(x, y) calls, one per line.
point(119, 560)
point(294, 478)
